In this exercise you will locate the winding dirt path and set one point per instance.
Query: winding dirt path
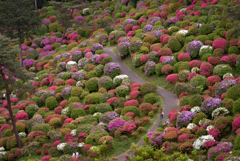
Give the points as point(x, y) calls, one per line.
point(170, 100)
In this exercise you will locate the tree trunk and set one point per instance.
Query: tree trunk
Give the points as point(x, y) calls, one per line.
point(186, 2)
point(36, 4)
point(19, 142)
point(66, 26)
point(20, 53)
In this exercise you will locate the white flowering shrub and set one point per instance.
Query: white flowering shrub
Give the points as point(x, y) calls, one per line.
point(191, 126)
point(203, 121)
point(74, 132)
point(209, 127)
point(195, 69)
point(199, 143)
point(184, 32)
point(220, 111)
point(97, 114)
point(65, 111)
point(127, 97)
point(118, 79)
point(196, 109)
point(81, 145)
point(22, 134)
point(227, 75)
point(85, 11)
point(61, 146)
point(71, 64)
point(205, 49)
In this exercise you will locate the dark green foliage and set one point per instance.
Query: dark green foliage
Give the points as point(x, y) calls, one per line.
point(201, 38)
point(103, 107)
point(76, 91)
point(88, 119)
point(51, 102)
point(148, 88)
point(133, 109)
point(76, 112)
point(150, 98)
point(174, 44)
point(196, 100)
point(93, 98)
point(233, 92)
point(206, 56)
point(92, 84)
point(198, 117)
point(41, 127)
point(119, 102)
point(237, 143)
point(184, 100)
point(94, 137)
point(233, 50)
point(158, 69)
point(180, 88)
point(84, 128)
point(36, 100)
point(206, 29)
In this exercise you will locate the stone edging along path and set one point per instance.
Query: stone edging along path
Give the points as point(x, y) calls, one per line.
point(170, 99)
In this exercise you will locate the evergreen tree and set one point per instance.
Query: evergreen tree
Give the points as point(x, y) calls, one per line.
point(65, 11)
point(11, 76)
point(18, 19)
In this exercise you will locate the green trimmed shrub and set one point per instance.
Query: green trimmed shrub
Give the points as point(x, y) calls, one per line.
point(192, 30)
point(76, 91)
point(148, 88)
point(222, 69)
point(41, 127)
point(92, 109)
point(184, 101)
point(233, 92)
point(51, 102)
point(76, 112)
point(174, 44)
point(93, 98)
point(198, 80)
point(206, 29)
point(31, 110)
point(211, 36)
point(201, 38)
point(158, 69)
point(150, 98)
point(133, 109)
point(73, 99)
point(105, 82)
point(199, 116)
point(119, 102)
point(53, 27)
point(84, 128)
point(70, 148)
point(122, 91)
point(94, 137)
point(233, 50)
point(237, 143)
point(71, 126)
point(196, 100)
point(65, 157)
point(206, 56)
point(183, 66)
point(106, 96)
point(103, 107)
point(206, 50)
point(92, 84)
point(88, 119)
point(36, 100)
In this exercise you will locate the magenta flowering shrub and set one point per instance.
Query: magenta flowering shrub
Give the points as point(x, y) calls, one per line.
point(169, 60)
point(128, 128)
point(194, 63)
point(115, 124)
point(66, 92)
point(28, 62)
point(215, 133)
point(212, 80)
point(236, 123)
point(22, 115)
point(131, 103)
point(184, 57)
point(220, 43)
point(206, 69)
point(184, 118)
point(46, 22)
point(221, 147)
point(147, 28)
point(210, 105)
point(167, 69)
point(156, 138)
point(193, 48)
point(172, 78)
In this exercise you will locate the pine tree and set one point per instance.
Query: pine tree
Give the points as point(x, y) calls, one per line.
point(18, 19)
point(11, 76)
point(65, 11)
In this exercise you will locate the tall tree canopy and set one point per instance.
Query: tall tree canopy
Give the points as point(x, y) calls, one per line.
point(18, 19)
point(11, 76)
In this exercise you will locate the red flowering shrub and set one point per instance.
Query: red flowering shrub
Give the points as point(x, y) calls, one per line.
point(145, 121)
point(184, 57)
point(18, 153)
point(31, 136)
point(185, 137)
point(131, 103)
point(45, 151)
point(172, 78)
point(191, 75)
point(167, 69)
point(71, 82)
point(164, 52)
point(145, 108)
point(186, 147)
point(38, 152)
point(130, 114)
point(135, 28)
point(87, 148)
point(206, 69)
point(134, 94)
point(232, 59)
point(58, 110)
point(143, 59)
point(173, 116)
point(213, 60)
point(208, 42)
point(225, 60)
point(222, 156)
point(212, 80)
point(128, 28)
point(22, 115)
point(185, 108)
point(22, 106)
point(210, 143)
point(56, 143)
point(220, 43)
point(68, 120)
point(63, 103)
point(111, 100)
point(215, 133)
point(194, 63)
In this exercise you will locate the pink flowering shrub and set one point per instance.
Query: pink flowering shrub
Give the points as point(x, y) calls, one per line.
point(143, 59)
point(173, 116)
point(236, 122)
point(225, 60)
point(167, 69)
point(220, 43)
point(191, 75)
point(82, 137)
point(5, 126)
point(146, 108)
point(232, 59)
point(130, 114)
point(213, 60)
point(128, 128)
point(185, 137)
point(71, 82)
point(134, 28)
point(233, 42)
point(68, 136)
point(206, 69)
point(194, 63)
point(184, 57)
point(46, 158)
point(164, 52)
point(134, 94)
point(56, 143)
point(215, 133)
point(131, 103)
point(22, 115)
point(172, 78)
point(212, 80)
point(111, 100)
point(238, 131)
point(210, 143)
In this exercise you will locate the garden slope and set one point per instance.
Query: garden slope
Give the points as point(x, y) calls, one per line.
point(170, 100)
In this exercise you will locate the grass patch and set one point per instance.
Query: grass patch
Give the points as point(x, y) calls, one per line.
point(159, 80)
point(122, 145)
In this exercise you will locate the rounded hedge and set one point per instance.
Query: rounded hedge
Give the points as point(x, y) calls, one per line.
point(233, 92)
point(105, 82)
point(122, 90)
point(222, 69)
point(150, 98)
point(103, 107)
point(92, 84)
point(76, 112)
point(51, 103)
point(93, 98)
point(133, 109)
point(148, 88)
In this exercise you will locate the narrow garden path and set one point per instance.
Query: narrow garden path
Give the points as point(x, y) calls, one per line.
point(170, 99)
